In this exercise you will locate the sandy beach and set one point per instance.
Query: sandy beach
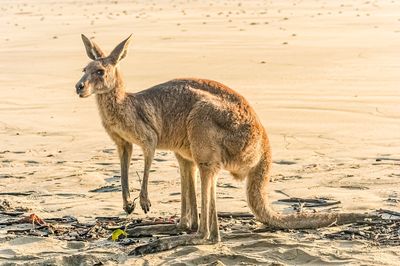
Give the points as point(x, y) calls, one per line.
point(323, 77)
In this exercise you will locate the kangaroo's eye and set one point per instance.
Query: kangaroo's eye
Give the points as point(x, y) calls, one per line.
point(100, 72)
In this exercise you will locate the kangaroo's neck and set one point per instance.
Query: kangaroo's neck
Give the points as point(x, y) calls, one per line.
point(111, 103)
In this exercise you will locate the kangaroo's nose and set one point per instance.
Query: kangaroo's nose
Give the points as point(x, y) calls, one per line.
point(79, 87)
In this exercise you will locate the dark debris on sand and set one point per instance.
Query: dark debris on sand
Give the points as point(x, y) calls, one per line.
point(16, 221)
point(379, 232)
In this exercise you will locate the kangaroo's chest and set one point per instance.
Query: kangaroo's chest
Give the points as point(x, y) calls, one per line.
point(116, 131)
point(121, 127)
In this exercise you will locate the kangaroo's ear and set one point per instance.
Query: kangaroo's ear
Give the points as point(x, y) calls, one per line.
point(92, 49)
point(120, 51)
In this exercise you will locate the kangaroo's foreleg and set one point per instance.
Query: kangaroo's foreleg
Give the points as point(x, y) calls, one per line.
point(148, 152)
point(125, 154)
point(189, 214)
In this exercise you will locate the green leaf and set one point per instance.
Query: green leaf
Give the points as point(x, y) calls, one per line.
point(117, 233)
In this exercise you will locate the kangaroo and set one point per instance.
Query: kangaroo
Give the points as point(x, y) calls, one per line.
point(207, 125)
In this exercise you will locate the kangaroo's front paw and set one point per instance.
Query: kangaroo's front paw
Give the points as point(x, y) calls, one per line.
point(129, 207)
point(145, 203)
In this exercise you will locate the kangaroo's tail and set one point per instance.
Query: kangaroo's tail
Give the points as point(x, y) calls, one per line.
point(257, 196)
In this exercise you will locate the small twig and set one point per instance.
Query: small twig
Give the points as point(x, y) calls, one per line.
point(280, 191)
point(140, 180)
point(133, 202)
point(389, 212)
point(17, 193)
point(87, 231)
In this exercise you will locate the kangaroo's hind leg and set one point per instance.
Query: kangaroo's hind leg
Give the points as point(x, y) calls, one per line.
point(189, 214)
point(209, 220)
point(207, 151)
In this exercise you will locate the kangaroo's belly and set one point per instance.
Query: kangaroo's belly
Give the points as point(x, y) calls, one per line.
point(177, 142)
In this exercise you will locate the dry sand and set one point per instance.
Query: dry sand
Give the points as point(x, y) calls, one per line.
point(323, 77)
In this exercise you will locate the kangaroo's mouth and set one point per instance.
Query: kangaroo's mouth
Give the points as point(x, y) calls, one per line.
point(84, 95)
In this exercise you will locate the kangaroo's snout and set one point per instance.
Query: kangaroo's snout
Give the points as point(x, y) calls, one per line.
point(79, 87)
point(82, 90)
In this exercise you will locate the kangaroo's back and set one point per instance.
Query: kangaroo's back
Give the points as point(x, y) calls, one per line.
point(191, 90)
point(175, 102)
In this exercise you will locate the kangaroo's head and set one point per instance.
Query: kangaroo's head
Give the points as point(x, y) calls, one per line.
point(100, 75)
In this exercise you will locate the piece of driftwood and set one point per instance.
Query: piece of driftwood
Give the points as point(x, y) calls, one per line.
point(64, 220)
point(150, 230)
point(11, 213)
point(82, 225)
point(389, 212)
point(387, 159)
point(148, 223)
point(266, 229)
point(16, 193)
point(321, 202)
point(19, 231)
point(242, 215)
point(9, 222)
point(104, 189)
point(167, 243)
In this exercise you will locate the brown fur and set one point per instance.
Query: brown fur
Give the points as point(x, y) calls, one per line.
point(206, 124)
